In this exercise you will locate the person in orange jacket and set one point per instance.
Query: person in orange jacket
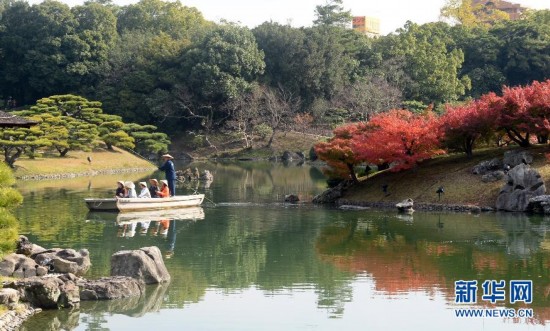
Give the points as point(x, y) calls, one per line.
point(164, 192)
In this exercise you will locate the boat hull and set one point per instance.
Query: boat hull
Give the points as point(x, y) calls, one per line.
point(101, 204)
point(136, 204)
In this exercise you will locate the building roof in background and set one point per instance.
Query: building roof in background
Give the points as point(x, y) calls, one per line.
point(8, 120)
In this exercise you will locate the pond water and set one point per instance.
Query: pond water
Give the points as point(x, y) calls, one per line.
point(252, 262)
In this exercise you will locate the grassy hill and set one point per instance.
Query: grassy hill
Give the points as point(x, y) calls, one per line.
point(230, 147)
point(453, 172)
point(76, 163)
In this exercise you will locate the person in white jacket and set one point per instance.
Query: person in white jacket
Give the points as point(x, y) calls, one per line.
point(144, 191)
point(131, 187)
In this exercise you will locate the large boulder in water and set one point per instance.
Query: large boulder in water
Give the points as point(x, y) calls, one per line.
point(108, 288)
point(145, 264)
point(523, 183)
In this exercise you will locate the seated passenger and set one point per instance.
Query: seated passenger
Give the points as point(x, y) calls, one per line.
point(164, 192)
point(131, 187)
point(120, 190)
point(154, 188)
point(144, 190)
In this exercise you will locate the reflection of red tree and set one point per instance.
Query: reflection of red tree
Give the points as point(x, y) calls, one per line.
point(489, 261)
point(396, 269)
point(401, 267)
point(435, 249)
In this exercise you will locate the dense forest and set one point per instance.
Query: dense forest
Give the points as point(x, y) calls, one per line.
point(164, 64)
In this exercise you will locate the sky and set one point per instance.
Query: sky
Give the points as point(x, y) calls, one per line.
point(392, 13)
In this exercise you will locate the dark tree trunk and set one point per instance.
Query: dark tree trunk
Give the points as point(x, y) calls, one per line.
point(542, 139)
point(518, 138)
point(63, 152)
point(10, 159)
point(469, 147)
point(271, 139)
point(352, 173)
point(383, 166)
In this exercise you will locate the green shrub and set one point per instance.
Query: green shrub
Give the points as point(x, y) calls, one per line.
point(9, 198)
point(8, 232)
point(263, 131)
point(198, 141)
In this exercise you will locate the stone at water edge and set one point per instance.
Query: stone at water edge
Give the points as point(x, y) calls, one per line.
point(332, 194)
point(145, 264)
point(539, 204)
point(405, 206)
point(108, 288)
point(291, 198)
point(292, 156)
point(48, 292)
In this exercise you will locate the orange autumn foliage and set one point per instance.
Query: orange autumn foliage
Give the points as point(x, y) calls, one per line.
point(401, 138)
point(338, 152)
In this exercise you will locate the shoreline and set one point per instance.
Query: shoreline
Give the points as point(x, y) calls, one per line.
point(14, 318)
point(82, 174)
point(420, 206)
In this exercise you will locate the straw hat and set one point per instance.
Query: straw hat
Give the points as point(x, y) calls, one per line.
point(129, 185)
point(154, 180)
point(121, 182)
point(144, 184)
point(168, 156)
point(164, 181)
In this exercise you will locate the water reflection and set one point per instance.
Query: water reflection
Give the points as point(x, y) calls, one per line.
point(439, 250)
point(92, 313)
point(251, 255)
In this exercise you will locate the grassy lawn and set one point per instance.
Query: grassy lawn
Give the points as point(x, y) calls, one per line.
point(76, 162)
point(453, 172)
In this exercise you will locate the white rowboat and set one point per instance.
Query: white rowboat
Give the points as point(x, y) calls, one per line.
point(134, 204)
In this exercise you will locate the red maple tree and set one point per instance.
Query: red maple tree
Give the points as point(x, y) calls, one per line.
point(465, 124)
point(399, 137)
point(339, 153)
point(538, 96)
point(514, 116)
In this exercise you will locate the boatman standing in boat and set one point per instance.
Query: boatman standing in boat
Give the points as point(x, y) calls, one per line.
point(170, 172)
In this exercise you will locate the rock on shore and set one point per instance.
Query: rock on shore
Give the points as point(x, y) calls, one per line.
point(523, 183)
